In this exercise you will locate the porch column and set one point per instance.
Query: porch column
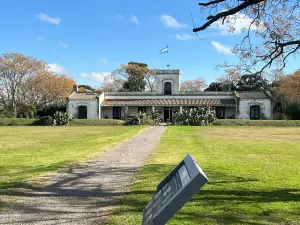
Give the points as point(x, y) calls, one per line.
point(153, 108)
point(99, 116)
point(126, 112)
point(180, 109)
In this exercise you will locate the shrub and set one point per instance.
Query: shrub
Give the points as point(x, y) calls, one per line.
point(97, 122)
point(26, 111)
point(50, 110)
point(200, 116)
point(61, 119)
point(270, 123)
point(17, 121)
point(46, 121)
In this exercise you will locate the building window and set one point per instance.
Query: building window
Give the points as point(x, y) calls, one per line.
point(141, 109)
point(167, 88)
point(117, 113)
point(254, 112)
point(220, 112)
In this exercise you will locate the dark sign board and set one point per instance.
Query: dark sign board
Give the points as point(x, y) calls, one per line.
point(174, 191)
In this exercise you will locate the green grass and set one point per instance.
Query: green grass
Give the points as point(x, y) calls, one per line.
point(26, 152)
point(253, 176)
point(266, 123)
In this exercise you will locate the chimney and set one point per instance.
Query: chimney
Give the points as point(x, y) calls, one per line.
point(75, 88)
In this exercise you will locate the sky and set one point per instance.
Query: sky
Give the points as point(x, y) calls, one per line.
point(89, 39)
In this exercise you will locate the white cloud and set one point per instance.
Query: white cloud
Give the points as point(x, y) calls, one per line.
point(57, 68)
point(134, 19)
point(222, 48)
point(96, 76)
point(171, 22)
point(235, 24)
point(46, 18)
point(184, 37)
point(103, 60)
point(63, 44)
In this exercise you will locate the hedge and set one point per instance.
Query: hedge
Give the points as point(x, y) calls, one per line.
point(97, 122)
point(17, 121)
point(74, 122)
point(270, 123)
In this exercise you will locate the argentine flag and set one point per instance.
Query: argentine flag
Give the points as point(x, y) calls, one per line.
point(164, 50)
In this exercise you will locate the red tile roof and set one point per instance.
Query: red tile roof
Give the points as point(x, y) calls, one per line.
point(170, 102)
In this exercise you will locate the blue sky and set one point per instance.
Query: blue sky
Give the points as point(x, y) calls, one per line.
point(88, 39)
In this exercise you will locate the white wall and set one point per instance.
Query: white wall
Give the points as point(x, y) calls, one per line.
point(170, 76)
point(265, 108)
point(92, 107)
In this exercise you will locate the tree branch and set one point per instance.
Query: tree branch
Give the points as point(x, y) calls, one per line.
point(210, 3)
point(232, 11)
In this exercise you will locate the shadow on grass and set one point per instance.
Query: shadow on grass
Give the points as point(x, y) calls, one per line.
point(76, 190)
point(226, 200)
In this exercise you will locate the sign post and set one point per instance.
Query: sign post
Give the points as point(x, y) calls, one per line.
point(174, 191)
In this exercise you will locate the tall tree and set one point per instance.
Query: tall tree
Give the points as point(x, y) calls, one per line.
point(252, 83)
point(230, 79)
point(47, 88)
point(15, 69)
point(83, 88)
point(193, 85)
point(132, 76)
point(290, 88)
point(150, 78)
point(218, 86)
point(27, 83)
point(275, 23)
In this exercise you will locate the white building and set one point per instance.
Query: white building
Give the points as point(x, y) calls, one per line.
point(168, 99)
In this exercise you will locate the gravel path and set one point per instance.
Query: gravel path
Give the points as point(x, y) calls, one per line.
point(85, 195)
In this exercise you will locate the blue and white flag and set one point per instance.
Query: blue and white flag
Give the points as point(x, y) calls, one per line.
point(164, 50)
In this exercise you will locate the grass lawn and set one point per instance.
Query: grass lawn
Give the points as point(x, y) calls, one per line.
point(253, 176)
point(29, 151)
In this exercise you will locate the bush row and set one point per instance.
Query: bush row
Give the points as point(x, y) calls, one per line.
point(17, 121)
point(270, 123)
point(74, 122)
point(111, 122)
point(97, 122)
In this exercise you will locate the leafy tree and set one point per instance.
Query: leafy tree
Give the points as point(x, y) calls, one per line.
point(131, 76)
point(47, 88)
point(252, 83)
point(290, 88)
point(150, 78)
point(230, 79)
point(136, 74)
point(15, 69)
point(193, 85)
point(83, 88)
point(274, 24)
point(26, 84)
point(218, 86)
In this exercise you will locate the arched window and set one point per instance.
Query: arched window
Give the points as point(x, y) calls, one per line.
point(82, 112)
point(254, 112)
point(167, 88)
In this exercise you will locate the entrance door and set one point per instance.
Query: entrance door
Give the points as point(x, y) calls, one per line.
point(168, 88)
point(168, 114)
point(254, 112)
point(117, 113)
point(82, 112)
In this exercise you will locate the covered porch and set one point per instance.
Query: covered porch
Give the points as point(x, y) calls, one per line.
point(124, 109)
